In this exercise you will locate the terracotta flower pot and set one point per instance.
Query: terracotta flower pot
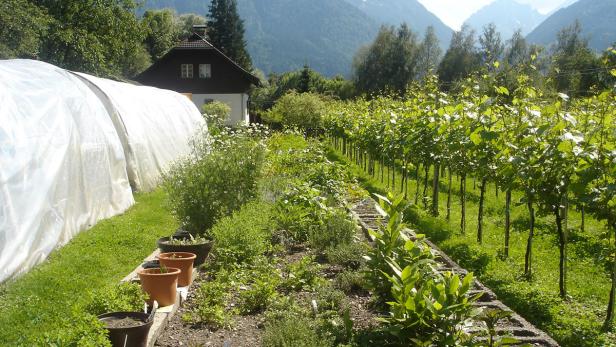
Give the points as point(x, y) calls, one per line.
point(179, 260)
point(161, 287)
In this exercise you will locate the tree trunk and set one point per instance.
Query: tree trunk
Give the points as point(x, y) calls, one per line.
point(609, 318)
point(463, 203)
point(388, 177)
point(417, 184)
point(482, 195)
point(404, 177)
point(449, 194)
point(507, 220)
point(382, 167)
point(393, 175)
point(528, 257)
point(562, 247)
point(435, 182)
point(583, 225)
point(425, 189)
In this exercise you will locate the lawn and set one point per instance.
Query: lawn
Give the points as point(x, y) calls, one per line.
point(574, 322)
point(43, 305)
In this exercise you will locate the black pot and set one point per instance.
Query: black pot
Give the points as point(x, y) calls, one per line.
point(201, 250)
point(136, 336)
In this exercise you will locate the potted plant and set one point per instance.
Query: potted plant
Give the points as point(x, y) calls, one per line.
point(180, 260)
point(127, 328)
point(160, 284)
point(185, 242)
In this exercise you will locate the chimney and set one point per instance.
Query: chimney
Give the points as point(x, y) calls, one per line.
point(200, 29)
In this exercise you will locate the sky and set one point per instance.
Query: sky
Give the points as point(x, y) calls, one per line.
point(455, 12)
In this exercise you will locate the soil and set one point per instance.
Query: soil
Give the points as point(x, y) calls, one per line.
point(247, 330)
point(127, 322)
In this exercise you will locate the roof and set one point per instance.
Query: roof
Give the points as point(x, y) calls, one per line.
point(197, 42)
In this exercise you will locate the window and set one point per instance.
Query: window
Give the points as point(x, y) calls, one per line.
point(205, 71)
point(187, 70)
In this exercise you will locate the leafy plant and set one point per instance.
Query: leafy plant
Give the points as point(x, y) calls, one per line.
point(303, 274)
point(244, 235)
point(211, 304)
point(491, 317)
point(121, 297)
point(435, 305)
point(215, 180)
point(215, 114)
point(191, 240)
point(333, 230)
point(258, 296)
point(349, 255)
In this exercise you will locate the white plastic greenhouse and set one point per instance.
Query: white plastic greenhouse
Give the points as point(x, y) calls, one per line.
point(71, 146)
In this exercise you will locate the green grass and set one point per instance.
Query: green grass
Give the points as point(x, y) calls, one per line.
point(39, 302)
point(575, 322)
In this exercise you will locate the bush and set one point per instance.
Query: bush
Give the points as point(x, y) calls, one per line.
point(349, 255)
point(243, 236)
point(303, 274)
point(303, 111)
point(293, 331)
point(334, 229)
point(350, 282)
point(216, 113)
point(215, 180)
point(471, 257)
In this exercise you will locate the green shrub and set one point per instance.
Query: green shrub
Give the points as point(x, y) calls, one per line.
point(303, 274)
point(303, 111)
point(215, 180)
point(350, 282)
point(211, 304)
point(259, 295)
point(122, 297)
point(293, 331)
point(79, 329)
point(350, 255)
point(216, 113)
point(471, 257)
point(334, 229)
point(244, 235)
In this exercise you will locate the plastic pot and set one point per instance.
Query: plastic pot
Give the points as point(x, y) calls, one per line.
point(129, 336)
point(161, 287)
point(201, 250)
point(180, 260)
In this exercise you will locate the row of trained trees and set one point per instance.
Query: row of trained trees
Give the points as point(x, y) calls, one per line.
point(398, 57)
point(558, 152)
point(107, 37)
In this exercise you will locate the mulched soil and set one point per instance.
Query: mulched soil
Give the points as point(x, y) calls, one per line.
point(248, 330)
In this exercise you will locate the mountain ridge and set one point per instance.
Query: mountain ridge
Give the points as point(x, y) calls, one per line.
point(508, 16)
point(597, 18)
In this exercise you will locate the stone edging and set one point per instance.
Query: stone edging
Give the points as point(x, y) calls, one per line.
point(369, 216)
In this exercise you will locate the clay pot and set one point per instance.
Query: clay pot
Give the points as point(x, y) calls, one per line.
point(179, 260)
point(123, 334)
point(200, 250)
point(161, 287)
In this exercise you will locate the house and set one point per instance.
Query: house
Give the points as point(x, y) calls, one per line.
point(200, 71)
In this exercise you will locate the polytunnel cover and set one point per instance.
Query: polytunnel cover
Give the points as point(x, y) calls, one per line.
point(155, 126)
point(62, 165)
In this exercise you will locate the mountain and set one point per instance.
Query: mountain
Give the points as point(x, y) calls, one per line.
point(597, 18)
point(508, 16)
point(412, 12)
point(284, 35)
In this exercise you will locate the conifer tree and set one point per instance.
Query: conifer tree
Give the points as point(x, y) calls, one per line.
point(226, 31)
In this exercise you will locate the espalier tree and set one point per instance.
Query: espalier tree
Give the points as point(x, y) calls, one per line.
point(556, 152)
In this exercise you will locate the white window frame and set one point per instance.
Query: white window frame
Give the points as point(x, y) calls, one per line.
point(186, 71)
point(205, 70)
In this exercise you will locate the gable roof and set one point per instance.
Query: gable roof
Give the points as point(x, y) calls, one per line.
point(195, 41)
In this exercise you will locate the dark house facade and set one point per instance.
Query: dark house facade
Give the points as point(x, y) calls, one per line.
point(199, 70)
